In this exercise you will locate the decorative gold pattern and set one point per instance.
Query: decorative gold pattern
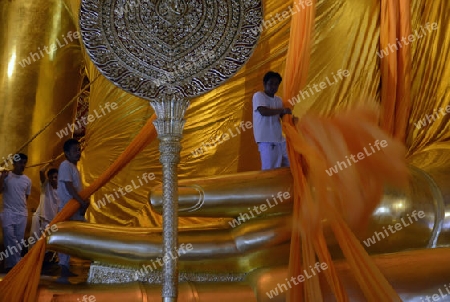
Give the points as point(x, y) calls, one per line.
point(153, 46)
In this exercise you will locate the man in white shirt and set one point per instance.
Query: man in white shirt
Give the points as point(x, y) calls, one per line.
point(267, 111)
point(69, 187)
point(16, 187)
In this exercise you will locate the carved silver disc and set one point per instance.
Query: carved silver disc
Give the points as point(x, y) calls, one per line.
point(187, 47)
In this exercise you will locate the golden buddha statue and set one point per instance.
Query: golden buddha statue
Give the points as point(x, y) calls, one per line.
point(245, 252)
point(248, 249)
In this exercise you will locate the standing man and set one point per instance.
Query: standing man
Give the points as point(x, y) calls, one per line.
point(69, 187)
point(16, 187)
point(267, 111)
point(49, 200)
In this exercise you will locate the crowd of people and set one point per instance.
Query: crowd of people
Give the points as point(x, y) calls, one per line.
point(58, 186)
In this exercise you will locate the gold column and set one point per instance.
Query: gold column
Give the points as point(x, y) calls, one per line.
point(39, 74)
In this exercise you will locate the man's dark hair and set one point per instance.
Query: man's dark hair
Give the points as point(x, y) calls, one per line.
point(21, 156)
point(69, 143)
point(51, 172)
point(272, 74)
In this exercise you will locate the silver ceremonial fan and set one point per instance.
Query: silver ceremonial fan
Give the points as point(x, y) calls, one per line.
point(167, 51)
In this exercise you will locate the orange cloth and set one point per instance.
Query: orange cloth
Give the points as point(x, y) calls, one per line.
point(319, 143)
point(22, 282)
point(322, 142)
point(297, 66)
point(395, 66)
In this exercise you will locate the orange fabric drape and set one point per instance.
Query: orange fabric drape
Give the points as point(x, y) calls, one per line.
point(315, 145)
point(297, 66)
point(22, 282)
point(298, 55)
point(322, 142)
point(395, 66)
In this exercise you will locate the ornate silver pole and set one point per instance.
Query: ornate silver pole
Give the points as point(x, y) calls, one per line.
point(170, 110)
point(199, 44)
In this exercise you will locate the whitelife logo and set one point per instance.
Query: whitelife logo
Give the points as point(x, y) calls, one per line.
point(178, 70)
point(91, 117)
point(87, 298)
point(360, 155)
point(437, 297)
point(128, 189)
point(31, 240)
point(434, 117)
point(222, 138)
point(298, 6)
point(10, 158)
point(406, 40)
point(281, 196)
point(308, 91)
point(398, 227)
point(161, 261)
point(319, 267)
point(53, 47)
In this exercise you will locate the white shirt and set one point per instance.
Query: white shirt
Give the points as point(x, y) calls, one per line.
point(266, 128)
point(16, 188)
point(49, 202)
point(67, 172)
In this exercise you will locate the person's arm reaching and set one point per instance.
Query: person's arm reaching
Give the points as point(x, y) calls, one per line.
point(266, 111)
point(42, 172)
point(72, 191)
